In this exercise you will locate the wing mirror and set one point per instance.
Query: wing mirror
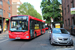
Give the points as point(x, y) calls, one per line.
point(68, 32)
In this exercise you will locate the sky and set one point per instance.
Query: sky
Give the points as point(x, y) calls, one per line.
point(35, 3)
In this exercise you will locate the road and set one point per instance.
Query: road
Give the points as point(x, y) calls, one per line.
point(38, 43)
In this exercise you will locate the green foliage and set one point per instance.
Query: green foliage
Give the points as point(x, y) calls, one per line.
point(51, 9)
point(28, 9)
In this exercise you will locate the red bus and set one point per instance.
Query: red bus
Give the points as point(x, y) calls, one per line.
point(25, 27)
point(46, 27)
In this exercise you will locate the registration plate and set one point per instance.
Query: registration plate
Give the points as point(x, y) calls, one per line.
point(17, 37)
point(63, 42)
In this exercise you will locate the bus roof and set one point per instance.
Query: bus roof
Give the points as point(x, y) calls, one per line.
point(34, 18)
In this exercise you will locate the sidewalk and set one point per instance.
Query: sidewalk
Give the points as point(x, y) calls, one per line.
point(6, 32)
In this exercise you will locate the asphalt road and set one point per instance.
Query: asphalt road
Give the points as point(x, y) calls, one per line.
point(40, 43)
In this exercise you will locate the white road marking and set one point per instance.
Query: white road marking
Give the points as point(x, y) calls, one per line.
point(59, 49)
point(65, 48)
point(4, 40)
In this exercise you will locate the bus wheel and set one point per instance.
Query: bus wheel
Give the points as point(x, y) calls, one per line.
point(35, 34)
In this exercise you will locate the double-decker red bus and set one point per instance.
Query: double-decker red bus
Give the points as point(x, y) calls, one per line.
point(25, 27)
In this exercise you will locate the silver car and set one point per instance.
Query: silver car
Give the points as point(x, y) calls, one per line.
point(60, 36)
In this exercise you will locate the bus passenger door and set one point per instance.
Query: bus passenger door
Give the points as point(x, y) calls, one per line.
point(32, 28)
point(41, 27)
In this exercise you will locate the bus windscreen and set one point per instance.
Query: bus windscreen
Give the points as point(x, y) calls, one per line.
point(19, 23)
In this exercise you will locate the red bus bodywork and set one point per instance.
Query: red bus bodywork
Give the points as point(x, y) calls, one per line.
point(46, 28)
point(26, 34)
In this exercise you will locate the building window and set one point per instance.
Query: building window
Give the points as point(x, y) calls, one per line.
point(66, 22)
point(18, 2)
point(69, 22)
point(1, 3)
point(12, 2)
point(72, 3)
point(1, 12)
point(9, 7)
point(65, 2)
point(68, 9)
point(17, 6)
point(9, 14)
point(65, 11)
point(8, 2)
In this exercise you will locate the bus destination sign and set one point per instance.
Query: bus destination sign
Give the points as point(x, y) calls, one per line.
point(19, 18)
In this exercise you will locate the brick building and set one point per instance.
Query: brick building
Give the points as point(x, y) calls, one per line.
point(5, 13)
point(69, 20)
point(15, 5)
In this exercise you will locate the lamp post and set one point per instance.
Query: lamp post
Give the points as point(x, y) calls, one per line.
point(53, 15)
point(2, 23)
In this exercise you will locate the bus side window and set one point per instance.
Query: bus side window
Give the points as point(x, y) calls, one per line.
point(31, 24)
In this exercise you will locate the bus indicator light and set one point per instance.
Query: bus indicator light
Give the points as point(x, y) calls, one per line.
point(27, 36)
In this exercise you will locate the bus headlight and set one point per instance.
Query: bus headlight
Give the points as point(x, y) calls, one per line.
point(27, 36)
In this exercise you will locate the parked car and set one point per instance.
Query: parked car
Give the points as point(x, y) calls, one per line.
point(60, 36)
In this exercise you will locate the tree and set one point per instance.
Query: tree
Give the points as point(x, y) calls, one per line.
point(28, 9)
point(50, 8)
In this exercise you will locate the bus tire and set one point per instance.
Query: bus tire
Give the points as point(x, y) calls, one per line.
point(35, 34)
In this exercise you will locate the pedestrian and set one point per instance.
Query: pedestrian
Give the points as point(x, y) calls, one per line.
point(49, 29)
